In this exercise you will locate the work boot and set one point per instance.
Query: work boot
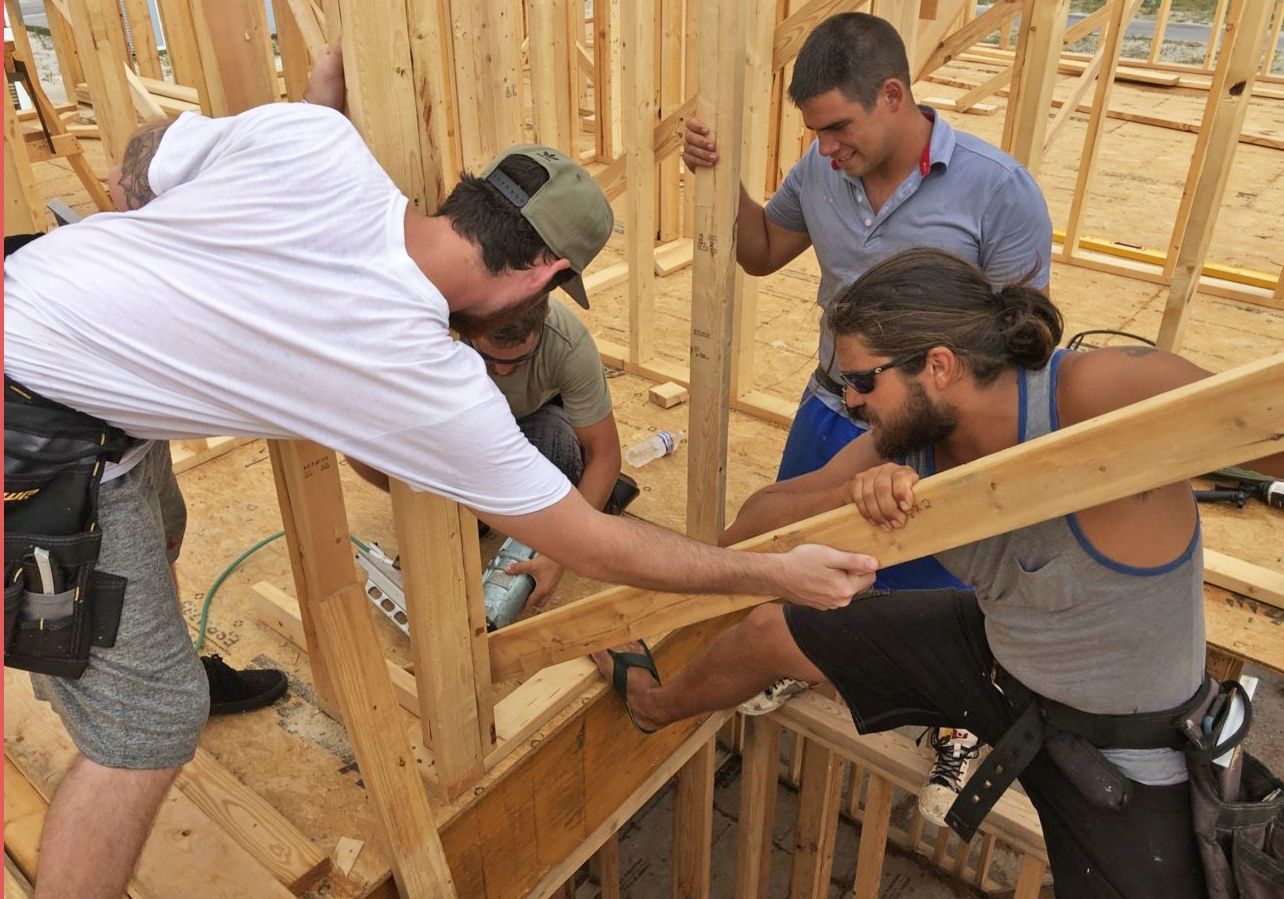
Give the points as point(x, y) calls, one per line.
point(626, 490)
point(241, 691)
point(956, 749)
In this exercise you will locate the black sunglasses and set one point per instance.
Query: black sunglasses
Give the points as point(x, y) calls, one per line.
point(516, 360)
point(863, 381)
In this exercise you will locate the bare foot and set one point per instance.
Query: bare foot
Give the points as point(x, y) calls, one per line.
point(640, 681)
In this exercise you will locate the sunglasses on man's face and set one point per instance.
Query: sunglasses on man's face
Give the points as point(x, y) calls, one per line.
point(863, 381)
point(515, 360)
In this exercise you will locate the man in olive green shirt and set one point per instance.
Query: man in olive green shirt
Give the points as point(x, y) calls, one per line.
point(546, 365)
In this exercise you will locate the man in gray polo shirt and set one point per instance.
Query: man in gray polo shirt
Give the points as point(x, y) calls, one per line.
point(883, 175)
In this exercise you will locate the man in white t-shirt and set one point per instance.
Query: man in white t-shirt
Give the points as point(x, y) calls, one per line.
point(268, 279)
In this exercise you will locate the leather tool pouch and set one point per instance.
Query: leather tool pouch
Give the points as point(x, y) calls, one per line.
point(1097, 778)
point(1238, 812)
point(56, 606)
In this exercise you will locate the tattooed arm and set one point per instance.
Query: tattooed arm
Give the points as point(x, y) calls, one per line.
point(127, 183)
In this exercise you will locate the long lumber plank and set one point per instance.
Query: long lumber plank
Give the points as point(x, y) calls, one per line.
point(1226, 419)
point(1253, 581)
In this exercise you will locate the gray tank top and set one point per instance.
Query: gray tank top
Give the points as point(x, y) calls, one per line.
point(1068, 621)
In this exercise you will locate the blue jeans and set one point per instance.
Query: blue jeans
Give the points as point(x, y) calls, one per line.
point(551, 432)
point(817, 434)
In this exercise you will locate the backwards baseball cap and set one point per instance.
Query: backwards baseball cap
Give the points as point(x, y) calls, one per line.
point(569, 211)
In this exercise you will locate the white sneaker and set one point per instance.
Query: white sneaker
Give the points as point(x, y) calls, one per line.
point(772, 698)
point(956, 749)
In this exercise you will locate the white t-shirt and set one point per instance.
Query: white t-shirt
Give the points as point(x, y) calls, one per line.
point(266, 291)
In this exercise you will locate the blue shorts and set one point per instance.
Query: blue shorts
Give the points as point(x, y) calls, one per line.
point(817, 434)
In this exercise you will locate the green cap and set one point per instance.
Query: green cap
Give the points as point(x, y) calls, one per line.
point(569, 211)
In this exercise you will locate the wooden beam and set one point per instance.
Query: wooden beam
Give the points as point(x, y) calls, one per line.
point(1161, 25)
point(637, 35)
point(64, 43)
point(1210, 170)
point(455, 705)
point(296, 60)
point(24, 213)
point(181, 45)
point(387, 765)
point(790, 35)
point(432, 52)
point(139, 18)
point(1244, 578)
point(236, 54)
point(816, 829)
point(550, 92)
point(760, 761)
point(692, 856)
point(604, 35)
point(1227, 419)
point(99, 36)
point(873, 837)
point(669, 90)
point(316, 535)
point(487, 51)
point(722, 39)
point(1042, 27)
point(996, 17)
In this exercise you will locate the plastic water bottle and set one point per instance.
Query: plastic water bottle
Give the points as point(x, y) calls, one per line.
point(655, 446)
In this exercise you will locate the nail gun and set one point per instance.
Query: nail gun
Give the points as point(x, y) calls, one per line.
point(1269, 492)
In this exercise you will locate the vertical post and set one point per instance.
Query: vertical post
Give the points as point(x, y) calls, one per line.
point(100, 37)
point(439, 562)
point(1112, 42)
point(816, 831)
point(23, 211)
point(65, 49)
point(316, 536)
point(873, 837)
point(296, 63)
point(181, 45)
point(690, 84)
point(139, 18)
point(637, 32)
point(550, 92)
point(722, 36)
point(236, 54)
point(18, 27)
point(1161, 25)
point(1215, 32)
point(1228, 100)
point(903, 14)
point(758, 773)
point(487, 54)
point(603, 81)
point(760, 30)
point(432, 53)
point(669, 67)
point(381, 91)
point(1043, 25)
point(1272, 42)
point(692, 862)
point(379, 740)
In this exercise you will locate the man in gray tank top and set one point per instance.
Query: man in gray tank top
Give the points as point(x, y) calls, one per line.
point(1098, 613)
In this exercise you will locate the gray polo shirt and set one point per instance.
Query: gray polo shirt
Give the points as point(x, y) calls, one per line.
point(976, 202)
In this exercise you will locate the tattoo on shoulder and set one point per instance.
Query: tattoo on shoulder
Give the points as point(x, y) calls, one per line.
point(133, 168)
point(1139, 350)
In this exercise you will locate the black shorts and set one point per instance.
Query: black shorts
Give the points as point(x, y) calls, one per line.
point(920, 657)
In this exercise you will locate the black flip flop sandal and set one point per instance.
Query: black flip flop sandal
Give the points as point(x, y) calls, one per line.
point(623, 661)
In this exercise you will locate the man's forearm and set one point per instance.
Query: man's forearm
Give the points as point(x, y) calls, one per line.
point(777, 506)
point(753, 243)
point(598, 480)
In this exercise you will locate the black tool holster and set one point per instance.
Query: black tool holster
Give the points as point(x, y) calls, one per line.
point(53, 466)
point(1073, 740)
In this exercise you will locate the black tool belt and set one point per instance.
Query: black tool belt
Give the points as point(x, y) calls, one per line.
point(1073, 740)
point(55, 604)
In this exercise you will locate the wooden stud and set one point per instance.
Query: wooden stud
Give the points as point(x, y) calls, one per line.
point(487, 50)
point(447, 633)
point(236, 54)
point(1215, 34)
point(1226, 419)
point(16, 886)
point(387, 764)
point(1161, 25)
point(668, 85)
point(604, 867)
point(816, 830)
point(139, 18)
point(432, 52)
point(182, 47)
point(637, 34)
point(21, 39)
point(64, 43)
point(873, 838)
point(603, 81)
point(316, 535)
point(692, 856)
point(24, 213)
point(1030, 879)
point(1223, 665)
point(1272, 42)
point(998, 15)
point(988, 843)
point(1210, 169)
point(1026, 122)
point(1244, 578)
point(760, 761)
point(99, 36)
point(296, 61)
point(1111, 43)
point(550, 91)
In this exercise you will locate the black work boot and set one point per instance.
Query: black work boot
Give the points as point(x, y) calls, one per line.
point(626, 490)
point(241, 691)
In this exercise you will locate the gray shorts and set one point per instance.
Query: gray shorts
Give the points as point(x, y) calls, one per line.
point(142, 703)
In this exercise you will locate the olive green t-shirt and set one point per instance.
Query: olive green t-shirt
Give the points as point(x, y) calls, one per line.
point(567, 365)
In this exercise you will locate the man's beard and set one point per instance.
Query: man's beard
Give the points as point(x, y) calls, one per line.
point(920, 425)
point(470, 326)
